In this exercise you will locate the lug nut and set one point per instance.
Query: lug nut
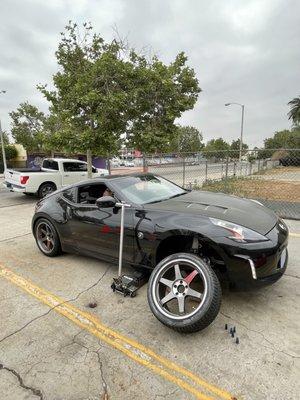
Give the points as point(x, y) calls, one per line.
point(175, 285)
point(176, 293)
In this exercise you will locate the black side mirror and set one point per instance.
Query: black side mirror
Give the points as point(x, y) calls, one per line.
point(105, 202)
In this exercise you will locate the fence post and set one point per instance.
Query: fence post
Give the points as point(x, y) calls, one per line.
point(145, 169)
point(109, 166)
point(206, 170)
point(226, 168)
point(183, 171)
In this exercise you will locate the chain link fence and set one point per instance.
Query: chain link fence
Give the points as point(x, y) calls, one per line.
point(269, 176)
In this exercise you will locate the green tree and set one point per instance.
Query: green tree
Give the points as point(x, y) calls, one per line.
point(216, 148)
point(235, 148)
point(164, 93)
point(28, 127)
point(10, 152)
point(187, 139)
point(103, 90)
point(286, 139)
point(294, 113)
point(5, 138)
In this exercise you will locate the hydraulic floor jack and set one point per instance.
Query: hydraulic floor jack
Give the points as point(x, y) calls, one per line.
point(126, 284)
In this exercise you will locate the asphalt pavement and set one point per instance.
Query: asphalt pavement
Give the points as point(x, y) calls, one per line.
point(53, 346)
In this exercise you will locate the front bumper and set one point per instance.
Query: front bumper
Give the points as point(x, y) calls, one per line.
point(255, 265)
point(14, 188)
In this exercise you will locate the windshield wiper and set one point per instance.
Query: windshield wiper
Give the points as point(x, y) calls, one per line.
point(178, 194)
point(165, 198)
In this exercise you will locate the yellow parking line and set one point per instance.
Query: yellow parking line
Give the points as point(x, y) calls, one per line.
point(296, 235)
point(141, 354)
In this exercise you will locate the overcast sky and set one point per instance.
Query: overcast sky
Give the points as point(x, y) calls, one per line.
point(245, 51)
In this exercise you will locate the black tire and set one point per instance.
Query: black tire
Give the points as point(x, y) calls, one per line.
point(45, 189)
point(209, 302)
point(42, 241)
point(28, 194)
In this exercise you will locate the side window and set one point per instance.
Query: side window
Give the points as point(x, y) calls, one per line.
point(69, 194)
point(88, 194)
point(74, 167)
point(50, 164)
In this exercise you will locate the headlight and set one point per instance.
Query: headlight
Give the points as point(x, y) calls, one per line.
point(239, 233)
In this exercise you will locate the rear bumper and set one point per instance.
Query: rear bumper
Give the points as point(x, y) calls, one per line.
point(14, 188)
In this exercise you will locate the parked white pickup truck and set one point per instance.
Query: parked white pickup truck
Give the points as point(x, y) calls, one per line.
point(54, 174)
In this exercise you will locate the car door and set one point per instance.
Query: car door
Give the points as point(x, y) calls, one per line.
point(73, 172)
point(97, 231)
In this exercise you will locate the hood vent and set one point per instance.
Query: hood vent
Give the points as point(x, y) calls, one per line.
point(207, 207)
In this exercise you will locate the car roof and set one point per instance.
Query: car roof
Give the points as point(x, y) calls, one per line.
point(65, 159)
point(112, 178)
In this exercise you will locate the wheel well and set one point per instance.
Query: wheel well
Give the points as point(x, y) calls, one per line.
point(52, 183)
point(181, 243)
point(173, 244)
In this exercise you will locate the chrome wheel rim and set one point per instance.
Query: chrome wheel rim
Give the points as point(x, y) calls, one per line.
point(179, 289)
point(47, 190)
point(45, 237)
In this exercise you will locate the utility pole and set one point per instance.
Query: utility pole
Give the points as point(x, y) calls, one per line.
point(2, 141)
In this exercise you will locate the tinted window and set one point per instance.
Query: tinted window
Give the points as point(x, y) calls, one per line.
point(69, 194)
point(74, 167)
point(50, 164)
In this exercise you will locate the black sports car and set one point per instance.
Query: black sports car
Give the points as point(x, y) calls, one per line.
point(190, 239)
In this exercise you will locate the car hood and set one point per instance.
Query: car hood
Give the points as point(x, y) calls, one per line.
point(234, 209)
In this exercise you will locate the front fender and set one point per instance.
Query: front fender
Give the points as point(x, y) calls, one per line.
point(153, 228)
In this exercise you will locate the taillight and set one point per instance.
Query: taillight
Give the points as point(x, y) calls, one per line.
point(24, 179)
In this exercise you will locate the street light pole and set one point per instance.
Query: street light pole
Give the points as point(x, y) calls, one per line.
point(2, 141)
point(242, 132)
point(242, 128)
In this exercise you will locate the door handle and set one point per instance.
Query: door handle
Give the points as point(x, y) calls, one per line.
point(66, 175)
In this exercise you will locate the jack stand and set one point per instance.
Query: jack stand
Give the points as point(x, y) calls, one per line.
point(129, 284)
point(126, 284)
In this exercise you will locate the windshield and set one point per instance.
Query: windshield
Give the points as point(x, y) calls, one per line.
point(149, 189)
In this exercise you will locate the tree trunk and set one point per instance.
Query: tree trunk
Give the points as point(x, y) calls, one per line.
point(89, 163)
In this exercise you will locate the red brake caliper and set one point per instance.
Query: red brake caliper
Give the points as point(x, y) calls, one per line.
point(191, 276)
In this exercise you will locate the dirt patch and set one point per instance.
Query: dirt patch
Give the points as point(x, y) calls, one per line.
point(258, 189)
point(279, 171)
